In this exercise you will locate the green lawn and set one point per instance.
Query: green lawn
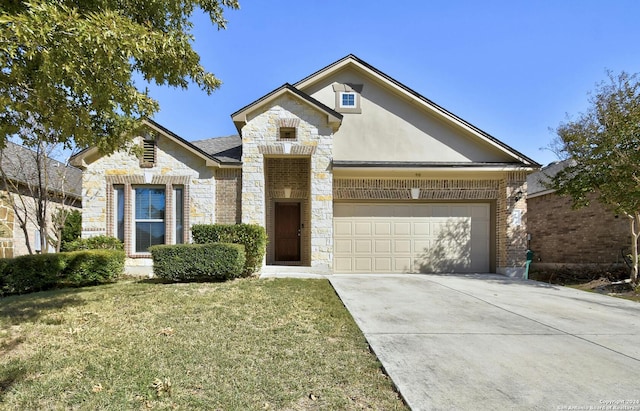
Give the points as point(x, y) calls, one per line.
point(280, 344)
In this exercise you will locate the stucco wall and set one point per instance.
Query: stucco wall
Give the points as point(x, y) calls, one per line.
point(391, 127)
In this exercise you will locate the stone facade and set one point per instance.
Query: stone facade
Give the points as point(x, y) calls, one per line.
point(561, 235)
point(174, 167)
point(7, 216)
point(313, 141)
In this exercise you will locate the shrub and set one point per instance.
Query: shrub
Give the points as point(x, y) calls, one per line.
point(72, 227)
point(100, 242)
point(92, 267)
point(253, 237)
point(30, 273)
point(38, 272)
point(189, 262)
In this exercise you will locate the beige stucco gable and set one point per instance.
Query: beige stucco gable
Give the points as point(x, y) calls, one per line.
point(395, 124)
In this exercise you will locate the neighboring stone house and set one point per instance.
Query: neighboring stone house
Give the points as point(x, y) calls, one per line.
point(348, 170)
point(564, 236)
point(19, 182)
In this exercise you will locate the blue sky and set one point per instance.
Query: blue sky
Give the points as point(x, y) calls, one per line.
point(514, 68)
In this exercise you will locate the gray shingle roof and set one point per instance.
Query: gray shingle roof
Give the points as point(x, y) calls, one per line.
point(225, 149)
point(19, 164)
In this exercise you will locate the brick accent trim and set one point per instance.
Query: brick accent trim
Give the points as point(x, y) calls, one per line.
point(400, 189)
point(291, 122)
point(278, 149)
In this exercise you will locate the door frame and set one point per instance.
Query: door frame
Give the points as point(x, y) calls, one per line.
point(301, 230)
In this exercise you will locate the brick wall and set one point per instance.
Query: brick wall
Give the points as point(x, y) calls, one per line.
point(228, 196)
point(561, 235)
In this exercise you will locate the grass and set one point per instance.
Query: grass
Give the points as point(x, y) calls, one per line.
point(280, 344)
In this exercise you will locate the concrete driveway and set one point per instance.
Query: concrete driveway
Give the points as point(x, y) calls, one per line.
point(487, 342)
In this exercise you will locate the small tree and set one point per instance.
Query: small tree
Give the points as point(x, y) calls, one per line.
point(604, 147)
point(33, 181)
point(67, 225)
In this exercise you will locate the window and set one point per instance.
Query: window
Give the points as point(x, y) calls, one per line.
point(149, 218)
point(347, 99)
point(119, 206)
point(178, 209)
point(287, 133)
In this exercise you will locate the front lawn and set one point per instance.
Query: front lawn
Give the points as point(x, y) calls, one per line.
point(242, 345)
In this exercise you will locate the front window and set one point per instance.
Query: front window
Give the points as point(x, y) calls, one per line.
point(149, 218)
point(347, 99)
point(119, 194)
point(178, 209)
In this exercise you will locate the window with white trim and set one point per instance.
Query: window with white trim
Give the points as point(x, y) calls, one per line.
point(347, 99)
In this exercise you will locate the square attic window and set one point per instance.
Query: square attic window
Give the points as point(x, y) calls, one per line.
point(347, 99)
point(287, 133)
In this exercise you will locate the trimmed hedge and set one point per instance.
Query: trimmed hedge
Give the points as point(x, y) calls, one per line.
point(253, 237)
point(99, 242)
point(38, 272)
point(192, 262)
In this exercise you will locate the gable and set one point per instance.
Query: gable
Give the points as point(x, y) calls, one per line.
point(397, 125)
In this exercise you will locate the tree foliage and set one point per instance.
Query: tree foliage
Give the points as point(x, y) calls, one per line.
point(603, 145)
point(68, 65)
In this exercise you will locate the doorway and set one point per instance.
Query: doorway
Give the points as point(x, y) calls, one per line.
point(287, 231)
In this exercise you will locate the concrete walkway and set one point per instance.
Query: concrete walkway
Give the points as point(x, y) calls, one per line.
point(487, 342)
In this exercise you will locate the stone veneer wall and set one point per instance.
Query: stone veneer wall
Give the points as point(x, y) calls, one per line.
point(228, 195)
point(314, 137)
point(173, 163)
point(7, 216)
point(589, 235)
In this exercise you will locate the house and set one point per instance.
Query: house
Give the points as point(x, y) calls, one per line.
point(563, 236)
point(20, 181)
point(349, 171)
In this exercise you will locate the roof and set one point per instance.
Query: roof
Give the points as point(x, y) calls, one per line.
point(537, 182)
point(19, 165)
point(240, 116)
point(220, 152)
point(225, 149)
point(353, 61)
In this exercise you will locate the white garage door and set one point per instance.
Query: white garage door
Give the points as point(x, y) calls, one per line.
point(410, 238)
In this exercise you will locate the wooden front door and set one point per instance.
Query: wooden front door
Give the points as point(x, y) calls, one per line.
point(287, 232)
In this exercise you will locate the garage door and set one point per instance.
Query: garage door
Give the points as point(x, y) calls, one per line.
point(410, 238)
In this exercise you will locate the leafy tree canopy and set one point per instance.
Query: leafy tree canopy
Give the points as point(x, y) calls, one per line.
point(603, 145)
point(67, 66)
point(603, 148)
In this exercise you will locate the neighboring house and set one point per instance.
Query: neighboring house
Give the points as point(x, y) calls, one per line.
point(20, 179)
point(348, 170)
point(563, 236)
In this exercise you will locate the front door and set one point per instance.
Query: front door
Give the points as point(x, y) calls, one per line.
point(287, 232)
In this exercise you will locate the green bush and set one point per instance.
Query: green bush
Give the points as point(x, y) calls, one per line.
point(253, 237)
point(38, 272)
point(92, 267)
point(191, 262)
point(100, 242)
point(72, 227)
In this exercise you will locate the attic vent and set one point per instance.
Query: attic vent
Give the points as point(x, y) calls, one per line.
point(148, 153)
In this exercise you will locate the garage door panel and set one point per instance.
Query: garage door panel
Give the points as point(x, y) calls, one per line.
point(382, 228)
point(402, 228)
point(362, 228)
point(362, 246)
point(412, 238)
point(382, 246)
point(402, 246)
